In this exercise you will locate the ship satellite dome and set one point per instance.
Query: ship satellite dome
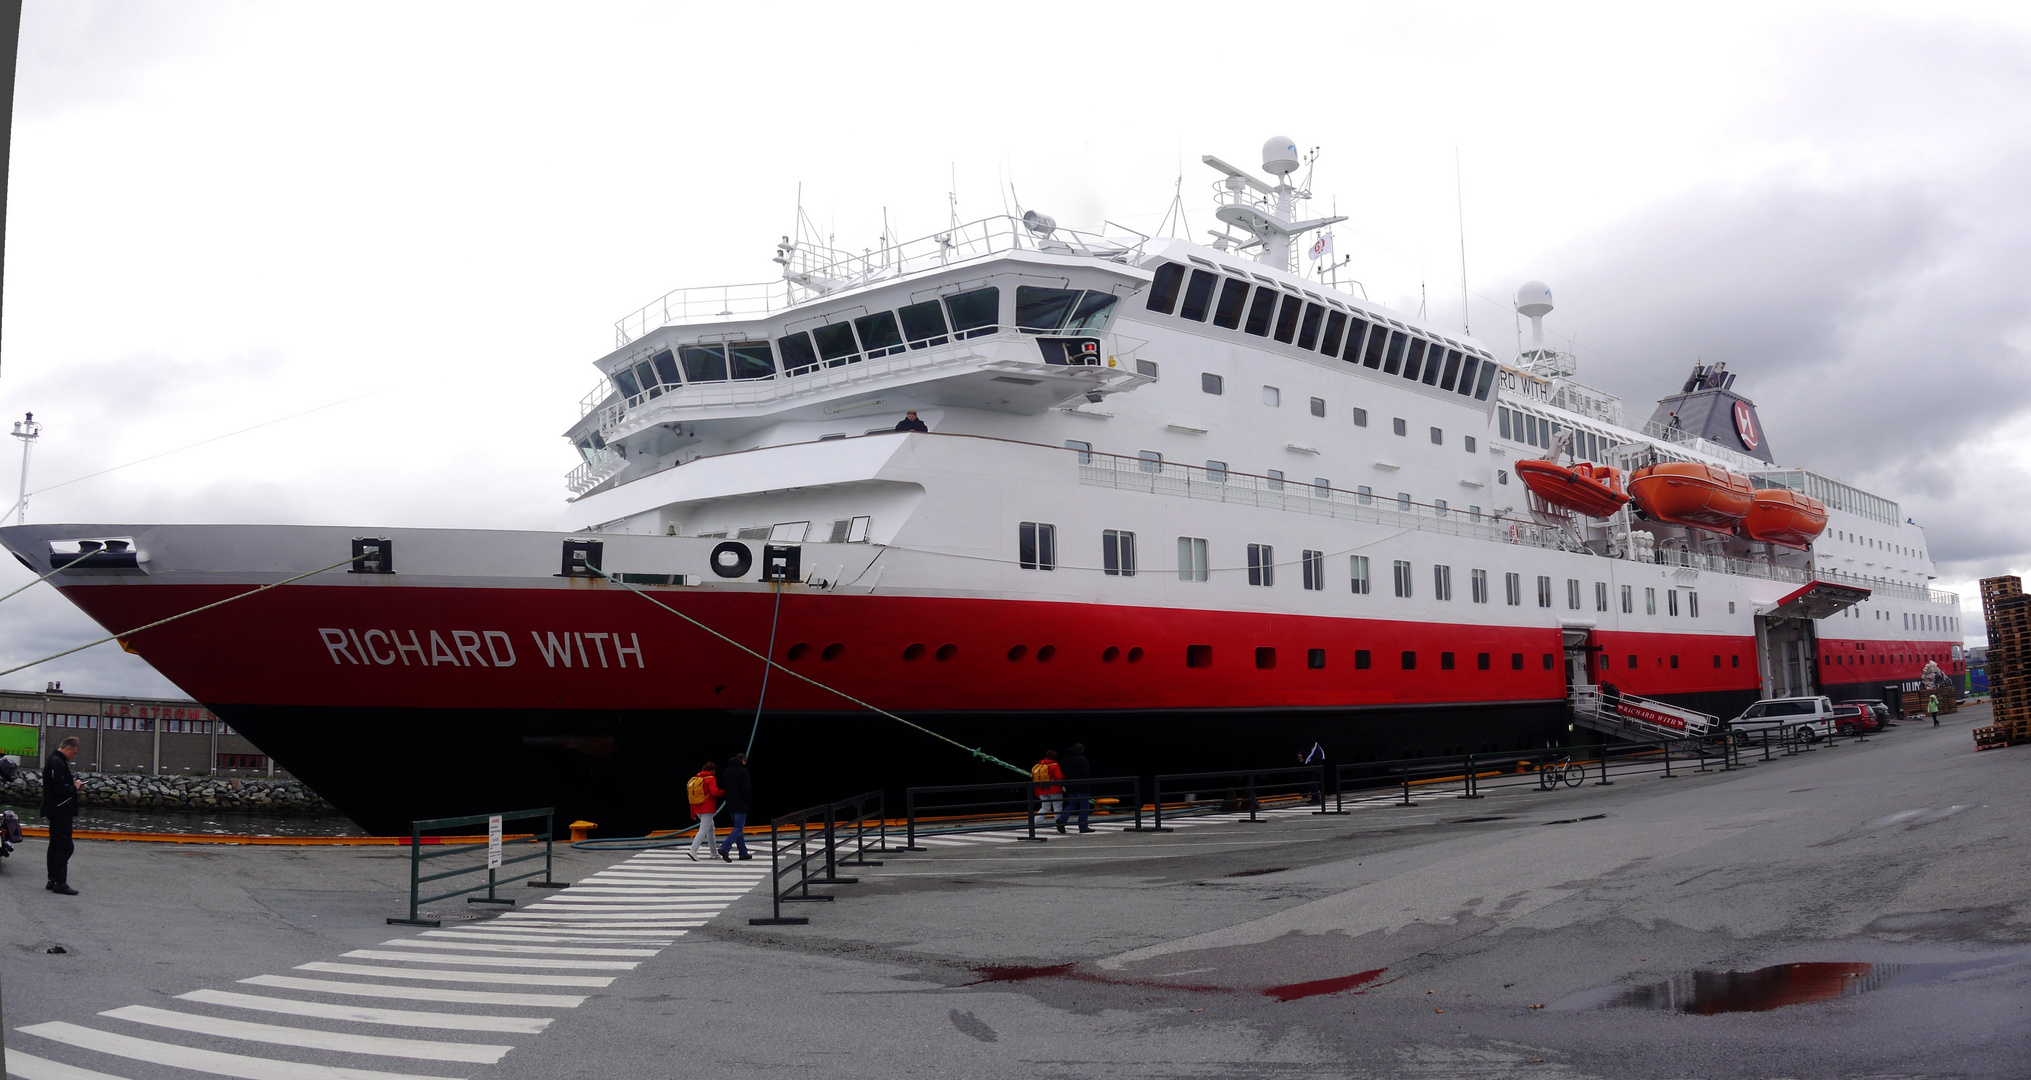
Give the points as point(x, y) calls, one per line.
point(1533, 299)
point(1280, 156)
point(1041, 224)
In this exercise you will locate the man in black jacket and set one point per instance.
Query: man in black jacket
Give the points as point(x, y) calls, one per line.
point(1078, 796)
point(739, 791)
point(60, 806)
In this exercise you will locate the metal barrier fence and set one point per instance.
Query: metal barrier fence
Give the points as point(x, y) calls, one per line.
point(1242, 789)
point(792, 857)
point(961, 808)
point(493, 861)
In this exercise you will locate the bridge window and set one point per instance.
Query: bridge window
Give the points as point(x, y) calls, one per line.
point(1392, 361)
point(1357, 334)
point(1452, 369)
point(1308, 327)
point(665, 363)
point(923, 324)
point(752, 360)
point(1091, 312)
point(647, 376)
point(1261, 312)
point(798, 355)
point(836, 344)
point(977, 312)
point(1467, 366)
point(1378, 347)
point(1413, 360)
point(1487, 380)
point(1287, 319)
point(879, 335)
point(704, 363)
point(1163, 292)
point(1233, 301)
point(1198, 296)
point(1336, 325)
point(1043, 309)
point(1432, 358)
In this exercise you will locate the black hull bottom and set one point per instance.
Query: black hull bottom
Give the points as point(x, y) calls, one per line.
point(387, 767)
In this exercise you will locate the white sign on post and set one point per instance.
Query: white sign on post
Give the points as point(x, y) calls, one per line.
point(494, 842)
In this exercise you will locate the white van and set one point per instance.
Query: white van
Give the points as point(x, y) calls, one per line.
point(1806, 719)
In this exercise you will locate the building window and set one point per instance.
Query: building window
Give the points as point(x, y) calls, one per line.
point(1543, 591)
point(1216, 471)
point(1442, 582)
point(1364, 494)
point(1650, 601)
point(1402, 578)
point(1357, 570)
point(1318, 406)
point(1211, 383)
point(1478, 585)
point(1692, 605)
point(1315, 570)
point(1117, 553)
point(1272, 397)
point(1085, 450)
point(1512, 587)
point(1261, 565)
point(1275, 479)
point(1438, 437)
point(1361, 418)
point(1600, 596)
point(1191, 558)
point(1573, 594)
point(1671, 602)
point(1628, 605)
point(1469, 443)
point(1399, 425)
point(1037, 546)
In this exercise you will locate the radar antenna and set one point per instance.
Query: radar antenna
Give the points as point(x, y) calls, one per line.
point(1266, 213)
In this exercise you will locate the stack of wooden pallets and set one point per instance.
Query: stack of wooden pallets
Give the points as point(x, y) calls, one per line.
point(2008, 612)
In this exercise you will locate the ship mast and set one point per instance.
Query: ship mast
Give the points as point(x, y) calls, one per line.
point(1264, 212)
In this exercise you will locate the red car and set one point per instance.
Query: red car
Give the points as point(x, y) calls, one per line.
point(1855, 718)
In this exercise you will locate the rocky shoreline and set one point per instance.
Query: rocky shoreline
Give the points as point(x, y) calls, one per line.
point(139, 792)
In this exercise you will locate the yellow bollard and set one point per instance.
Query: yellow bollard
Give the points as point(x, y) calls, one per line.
point(582, 829)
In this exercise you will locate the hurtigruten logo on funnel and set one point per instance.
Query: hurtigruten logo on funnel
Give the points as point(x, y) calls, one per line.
point(1745, 425)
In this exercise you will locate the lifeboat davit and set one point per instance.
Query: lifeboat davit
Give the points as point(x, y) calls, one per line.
point(1688, 493)
point(1593, 490)
point(1783, 516)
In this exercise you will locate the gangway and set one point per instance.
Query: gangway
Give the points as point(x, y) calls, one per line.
point(1638, 718)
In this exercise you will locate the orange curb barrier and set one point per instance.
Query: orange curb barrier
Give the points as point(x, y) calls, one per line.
point(266, 841)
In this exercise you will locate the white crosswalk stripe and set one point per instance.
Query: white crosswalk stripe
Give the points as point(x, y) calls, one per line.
point(441, 975)
point(545, 962)
point(548, 950)
point(417, 993)
point(360, 1014)
point(200, 1060)
point(309, 1038)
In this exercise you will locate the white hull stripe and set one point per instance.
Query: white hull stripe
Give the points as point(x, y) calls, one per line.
point(437, 975)
point(207, 1061)
point(418, 993)
point(310, 1039)
point(541, 962)
point(360, 1014)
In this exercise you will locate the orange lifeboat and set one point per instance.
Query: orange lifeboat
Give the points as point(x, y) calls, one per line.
point(1783, 516)
point(1687, 493)
point(1593, 490)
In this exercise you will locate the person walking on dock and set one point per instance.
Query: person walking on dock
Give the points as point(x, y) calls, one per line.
point(1043, 782)
point(1078, 797)
point(739, 791)
point(60, 806)
point(1932, 706)
point(704, 793)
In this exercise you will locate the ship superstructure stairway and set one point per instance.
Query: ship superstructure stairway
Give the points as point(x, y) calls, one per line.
point(1637, 719)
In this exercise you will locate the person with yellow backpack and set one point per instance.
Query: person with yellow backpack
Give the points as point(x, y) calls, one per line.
point(704, 794)
point(1043, 777)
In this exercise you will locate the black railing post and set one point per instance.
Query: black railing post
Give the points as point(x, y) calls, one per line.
point(1406, 789)
point(1604, 781)
point(910, 821)
point(1252, 800)
point(1667, 762)
point(1158, 803)
point(1473, 783)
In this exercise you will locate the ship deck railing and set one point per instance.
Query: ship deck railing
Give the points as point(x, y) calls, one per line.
point(813, 271)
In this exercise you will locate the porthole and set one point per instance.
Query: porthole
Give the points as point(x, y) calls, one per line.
point(1135, 655)
point(798, 650)
point(1045, 652)
point(1017, 652)
point(946, 652)
point(832, 651)
point(914, 651)
point(1109, 654)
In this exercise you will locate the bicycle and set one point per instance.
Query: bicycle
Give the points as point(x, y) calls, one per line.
point(1565, 769)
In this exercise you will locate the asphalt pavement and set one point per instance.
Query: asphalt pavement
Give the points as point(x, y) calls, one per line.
point(1859, 911)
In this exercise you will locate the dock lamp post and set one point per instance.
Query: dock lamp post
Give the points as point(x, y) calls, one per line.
point(27, 430)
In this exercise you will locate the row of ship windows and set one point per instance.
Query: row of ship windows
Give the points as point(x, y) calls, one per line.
point(1292, 320)
point(867, 337)
point(1912, 620)
point(1877, 544)
point(1037, 549)
point(1273, 397)
point(1864, 660)
point(1151, 461)
point(1196, 656)
point(1519, 426)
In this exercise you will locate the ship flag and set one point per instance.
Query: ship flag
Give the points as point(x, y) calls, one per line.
point(1322, 248)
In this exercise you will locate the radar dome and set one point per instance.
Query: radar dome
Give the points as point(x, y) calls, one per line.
point(1280, 156)
point(1533, 300)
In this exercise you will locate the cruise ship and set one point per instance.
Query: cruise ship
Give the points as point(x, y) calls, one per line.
point(1192, 504)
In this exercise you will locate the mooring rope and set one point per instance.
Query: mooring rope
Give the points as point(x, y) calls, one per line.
point(775, 614)
point(770, 660)
point(184, 615)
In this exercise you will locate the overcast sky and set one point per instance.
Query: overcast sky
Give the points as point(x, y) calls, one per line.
point(222, 214)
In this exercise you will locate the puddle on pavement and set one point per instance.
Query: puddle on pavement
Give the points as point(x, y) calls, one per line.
point(1002, 973)
point(1709, 993)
